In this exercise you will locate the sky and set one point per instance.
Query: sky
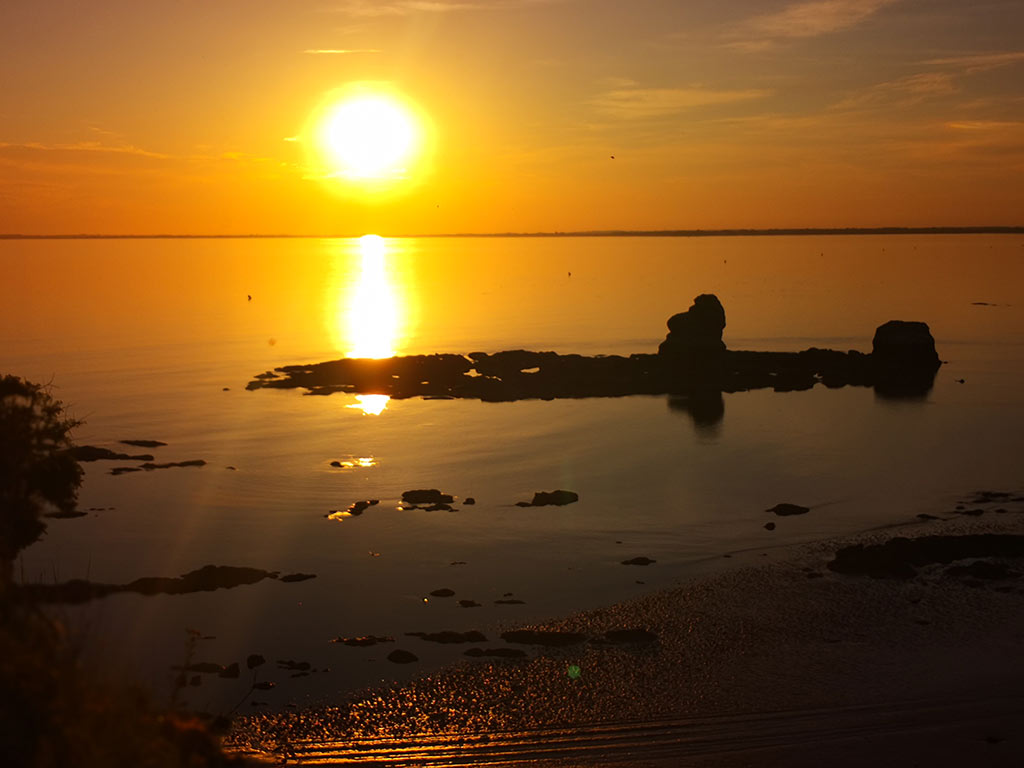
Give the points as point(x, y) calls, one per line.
point(192, 116)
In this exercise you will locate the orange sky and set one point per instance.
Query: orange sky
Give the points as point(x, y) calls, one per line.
point(128, 117)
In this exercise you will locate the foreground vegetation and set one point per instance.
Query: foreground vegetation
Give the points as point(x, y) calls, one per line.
point(55, 711)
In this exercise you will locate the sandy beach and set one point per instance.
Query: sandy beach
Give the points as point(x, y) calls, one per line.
point(778, 662)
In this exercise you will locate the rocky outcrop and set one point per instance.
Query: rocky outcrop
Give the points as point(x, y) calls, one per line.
point(696, 334)
point(692, 366)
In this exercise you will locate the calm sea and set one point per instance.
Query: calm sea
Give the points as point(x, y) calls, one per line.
point(156, 339)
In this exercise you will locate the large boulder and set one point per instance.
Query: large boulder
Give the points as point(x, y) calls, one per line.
point(696, 333)
point(902, 344)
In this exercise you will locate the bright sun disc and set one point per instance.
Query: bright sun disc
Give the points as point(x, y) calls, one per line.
point(368, 138)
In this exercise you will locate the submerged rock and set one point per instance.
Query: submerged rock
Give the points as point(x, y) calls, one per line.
point(143, 443)
point(92, 453)
point(785, 510)
point(443, 592)
point(448, 637)
point(364, 641)
point(900, 557)
point(639, 561)
point(545, 498)
point(399, 656)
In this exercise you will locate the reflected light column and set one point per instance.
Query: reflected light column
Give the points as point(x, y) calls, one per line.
point(373, 315)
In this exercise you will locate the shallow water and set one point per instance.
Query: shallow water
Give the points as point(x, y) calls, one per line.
point(141, 337)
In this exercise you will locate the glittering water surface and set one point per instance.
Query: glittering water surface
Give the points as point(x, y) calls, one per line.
point(156, 339)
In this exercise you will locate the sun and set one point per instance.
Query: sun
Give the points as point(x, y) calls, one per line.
point(370, 137)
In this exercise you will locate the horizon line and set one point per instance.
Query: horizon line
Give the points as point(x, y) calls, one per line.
point(732, 232)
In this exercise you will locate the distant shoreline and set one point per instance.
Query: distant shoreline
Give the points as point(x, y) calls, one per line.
point(979, 230)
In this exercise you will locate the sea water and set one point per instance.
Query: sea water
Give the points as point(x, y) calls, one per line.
point(156, 339)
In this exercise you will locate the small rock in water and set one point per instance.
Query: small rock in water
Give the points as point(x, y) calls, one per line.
point(266, 685)
point(443, 592)
point(143, 443)
point(510, 601)
point(469, 500)
point(769, 526)
point(447, 637)
point(784, 510)
point(293, 577)
point(557, 498)
point(468, 604)
point(254, 660)
point(427, 496)
point(639, 561)
point(402, 657)
point(362, 642)
point(294, 666)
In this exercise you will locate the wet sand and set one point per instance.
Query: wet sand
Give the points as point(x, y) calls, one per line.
point(785, 663)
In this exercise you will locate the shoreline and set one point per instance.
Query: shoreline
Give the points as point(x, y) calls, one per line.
point(787, 649)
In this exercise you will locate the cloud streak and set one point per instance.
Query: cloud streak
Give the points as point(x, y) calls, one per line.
point(811, 18)
point(339, 51)
point(646, 103)
point(373, 8)
point(981, 62)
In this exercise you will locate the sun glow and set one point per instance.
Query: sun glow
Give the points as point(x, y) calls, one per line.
point(368, 139)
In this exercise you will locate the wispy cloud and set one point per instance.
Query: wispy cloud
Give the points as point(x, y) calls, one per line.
point(810, 18)
point(980, 62)
point(630, 102)
point(904, 91)
point(84, 146)
point(370, 8)
point(340, 51)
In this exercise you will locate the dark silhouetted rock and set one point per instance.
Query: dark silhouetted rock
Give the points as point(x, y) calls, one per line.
point(443, 592)
point(499, 653)
point(639, 561)
point(903, 344)
point(469, 501)
point(769, 526)
point(362, 642)
point(785, 510)
point(291, 578)
point(448, 637)
point(290, 665)
point(69, 514)
point(982, 569)
point(900, 557)
point(542, 637)
point(254, 660)
point(205, 579)
point(92, 453)
point(427, 496)
point(355, 509)
point(557, 498)
point(124, 470)
point(149, 466)
point(143, 444)
point(509, 601)
point(468, 604)
point(399, 656)
point(266, 685)
point(696, 334)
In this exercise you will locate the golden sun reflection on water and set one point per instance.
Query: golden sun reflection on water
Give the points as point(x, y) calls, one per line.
point(372, 317)
point(371, 405)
